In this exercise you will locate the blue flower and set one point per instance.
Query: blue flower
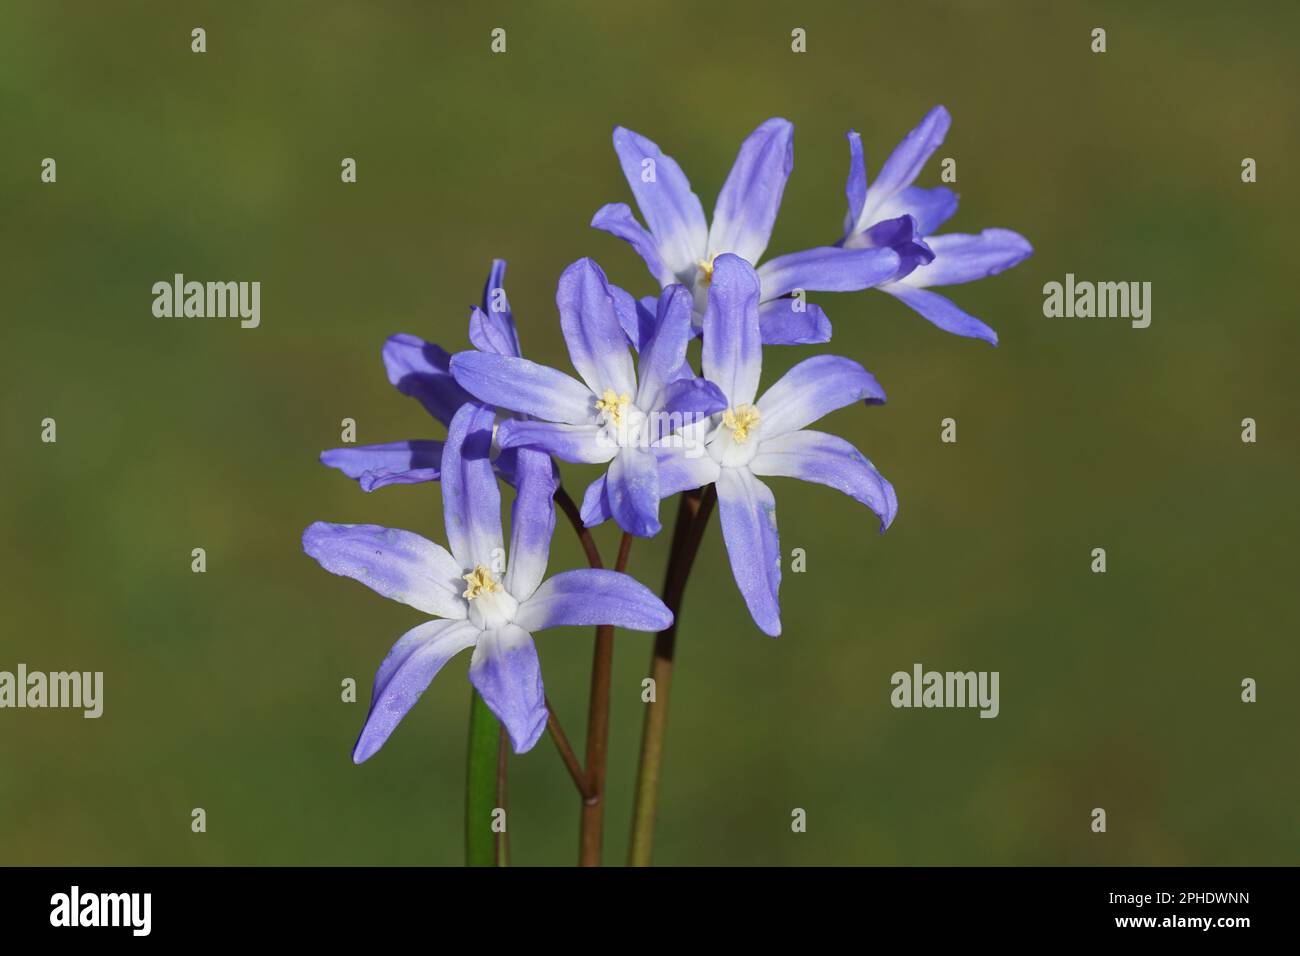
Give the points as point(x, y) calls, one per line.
point(608, 416)
point(681, 248)
point(766, 437)
point(478, 599)
point(893, 213)
point(420, 369)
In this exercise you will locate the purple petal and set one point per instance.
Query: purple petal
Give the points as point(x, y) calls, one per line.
point(686, 401)
point(813, 388)
point(670, 209)
point(733, 350)
point(404, 675)
point(591, 596)
point(492, 328)
point(781, 323)
point(827, 269)
point(635, 316)
point(616, 219)
point(506, 673)
point(664, 352)
point(747, 206)
point(855, 189)
point(395, 463)
point(532, 522)
point(580, 444)
point(905, 162)
point(828, 460)
point(398, 564)
point(748, 513)
point(684, 468)
point(941, 311)
point(471, 498)
point(420, 369)
point(524, 386)
point(632, 488)
point(931, 208)
point(590, 322)
point(899, 234)
point(959, 257)
point(595, 504)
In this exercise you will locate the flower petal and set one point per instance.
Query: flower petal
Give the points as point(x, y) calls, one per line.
point(524, 386)
point(632, 488)
point(855, 188)
point(616, 219)
point(471, 498)
point(827, 269)
point(594, 596)
point(664, 352)
point(532, 522)
point(781, 323)
point(670, 209)
point(733, 350)
point(748, 513)
point(941, 311)
point(420, 369)
point(492, 328)
point(749, 200)
point(905, 162)
point(684, 467)
point(828, 460)
point(398, 564)
point(959, 257)
point(507, 674)
point(595, 504)
point(394, 463)
point(581, 444)
point(590, 322)
point(404, 675)
point(931, 208)
point(813, 388)
point(685, 402)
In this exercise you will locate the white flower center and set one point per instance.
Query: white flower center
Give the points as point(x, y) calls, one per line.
point(623, 422)
point(733, 442)
point(490, 605)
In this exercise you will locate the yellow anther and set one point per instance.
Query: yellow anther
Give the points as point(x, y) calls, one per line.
point(613, 405)
point(480, 581)
point(706, 269)
point(740, 421)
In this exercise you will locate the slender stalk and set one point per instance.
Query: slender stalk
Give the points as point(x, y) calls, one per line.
point(503, 799)
point(482, 783)
point(602, 671)
point(566, 752)
point(692, 518)
point(575, 518)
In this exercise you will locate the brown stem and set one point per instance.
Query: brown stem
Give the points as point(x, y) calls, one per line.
point(692, 519)
point(566, 752)
point(570, 509)
point(602, 672)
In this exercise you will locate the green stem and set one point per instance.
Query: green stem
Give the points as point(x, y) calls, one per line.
point(484, 787)
point(692, 518)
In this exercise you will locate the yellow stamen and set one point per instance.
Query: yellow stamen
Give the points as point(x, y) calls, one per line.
point(613, 405)
point(706, 268)
point(480, 581)
point(741, 421)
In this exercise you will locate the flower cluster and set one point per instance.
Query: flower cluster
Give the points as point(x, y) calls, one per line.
point(639, 406)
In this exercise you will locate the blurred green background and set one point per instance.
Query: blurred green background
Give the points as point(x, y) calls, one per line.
point(222, 690)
